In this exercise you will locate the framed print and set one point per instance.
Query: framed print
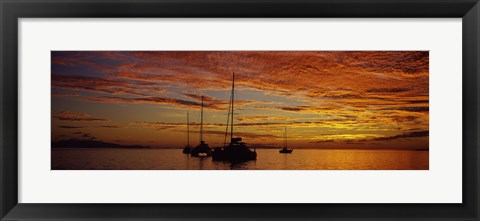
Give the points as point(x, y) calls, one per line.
point(256, 108)
point(239, 110)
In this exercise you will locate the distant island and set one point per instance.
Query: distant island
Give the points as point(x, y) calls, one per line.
point(84, 143)
point(78, 143)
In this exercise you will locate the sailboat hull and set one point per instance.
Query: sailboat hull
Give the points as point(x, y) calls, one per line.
point(202, 150)
point(234, 154)
point(285, 151)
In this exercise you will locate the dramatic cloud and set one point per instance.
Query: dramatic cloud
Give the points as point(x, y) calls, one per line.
point(405, 135)
point(413, 134)
point(87, 136)
point(240, 134)
point(263, 118)
point(76, 117)
point(81, 127)
point(71, 127)
point(108, 126)
point(353, 96)
point(147, 100)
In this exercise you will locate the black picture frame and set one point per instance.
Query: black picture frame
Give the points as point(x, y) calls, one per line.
point(12, 10)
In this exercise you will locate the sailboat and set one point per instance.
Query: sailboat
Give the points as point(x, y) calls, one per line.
point(236, 151)
point(187, 149)
point(202, 149)
point(285, 149)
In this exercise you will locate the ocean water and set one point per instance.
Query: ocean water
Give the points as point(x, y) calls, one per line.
point(267, 159)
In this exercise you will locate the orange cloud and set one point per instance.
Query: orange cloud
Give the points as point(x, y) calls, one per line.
point(385, 93)
point(77, 117)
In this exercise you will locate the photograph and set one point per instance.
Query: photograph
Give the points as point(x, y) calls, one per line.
point(239, 110)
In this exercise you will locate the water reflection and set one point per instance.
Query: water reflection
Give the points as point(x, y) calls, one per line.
point(168, 159)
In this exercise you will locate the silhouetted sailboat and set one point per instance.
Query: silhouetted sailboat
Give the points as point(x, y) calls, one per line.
point(285, 149)
point(187, 148)
point(236, 151)
point(202, 149)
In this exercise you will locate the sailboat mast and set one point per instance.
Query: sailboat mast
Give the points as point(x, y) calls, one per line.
point(201, 123)
point(285, 137)
point(228, 122)
point(233, 99)
point(188, 129)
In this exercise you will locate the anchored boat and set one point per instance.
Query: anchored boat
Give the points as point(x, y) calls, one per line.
point(236, 151)
point(202, 149)
point(285, 149)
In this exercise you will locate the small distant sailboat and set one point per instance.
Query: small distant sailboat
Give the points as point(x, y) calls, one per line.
point(236, 151)
point(285, 149)
point(187, 149)
point(202, 150)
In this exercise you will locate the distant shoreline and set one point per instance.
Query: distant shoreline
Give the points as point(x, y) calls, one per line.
point(90, 144)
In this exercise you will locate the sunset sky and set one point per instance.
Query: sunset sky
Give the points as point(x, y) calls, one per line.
point(325, 99)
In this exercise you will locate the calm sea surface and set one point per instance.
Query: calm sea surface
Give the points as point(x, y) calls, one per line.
point(267, 159)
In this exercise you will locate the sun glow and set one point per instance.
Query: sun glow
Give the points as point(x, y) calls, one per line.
point(334, 99)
